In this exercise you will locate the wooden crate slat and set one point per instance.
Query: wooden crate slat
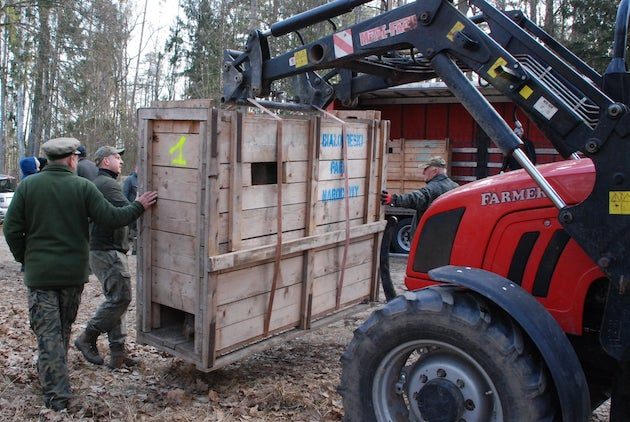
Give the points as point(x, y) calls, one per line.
point(176, 126)
point(351, 293)
point(174, 289)
point(327, 261)
point(176, 149)
point(256, 306)
point(177, 184)
point(246, 282)
point(173, 251)
point(175, 216)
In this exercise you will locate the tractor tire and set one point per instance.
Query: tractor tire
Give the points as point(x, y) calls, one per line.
point(401, 243)
point(444, 354)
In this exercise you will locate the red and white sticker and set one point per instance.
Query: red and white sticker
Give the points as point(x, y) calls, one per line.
point(343, 43)
point(392, 29)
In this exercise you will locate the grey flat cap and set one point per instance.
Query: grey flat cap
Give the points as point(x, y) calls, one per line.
point(106, 151)
point(437, 161)
point(60, 147)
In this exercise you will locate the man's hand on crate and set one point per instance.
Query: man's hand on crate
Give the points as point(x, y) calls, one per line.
point(386, 198)
point(147, 199)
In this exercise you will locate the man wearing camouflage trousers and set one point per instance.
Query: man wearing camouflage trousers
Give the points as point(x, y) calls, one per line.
point(46, 228)
point(108, 261)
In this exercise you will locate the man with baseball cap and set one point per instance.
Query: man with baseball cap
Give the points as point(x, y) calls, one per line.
point(108, 261)
point(434, 173)
point(46, 228)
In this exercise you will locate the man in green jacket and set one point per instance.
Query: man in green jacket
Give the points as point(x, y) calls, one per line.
point(46, 228)
point(108, 260)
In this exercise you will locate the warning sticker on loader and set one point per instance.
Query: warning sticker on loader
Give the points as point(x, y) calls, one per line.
point(544, 107)
point(619, 202)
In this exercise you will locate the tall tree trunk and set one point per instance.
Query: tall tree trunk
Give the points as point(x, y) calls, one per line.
point(41, 92)
point(549, 25)
point(4, 62)
point(533, 10)
point(135, 78)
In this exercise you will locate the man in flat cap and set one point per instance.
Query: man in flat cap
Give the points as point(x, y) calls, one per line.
point(108, 261)
point(46, 228)
point(86, 168)
point(434, 173)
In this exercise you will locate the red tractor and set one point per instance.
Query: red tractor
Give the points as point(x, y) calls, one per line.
point(518, 306)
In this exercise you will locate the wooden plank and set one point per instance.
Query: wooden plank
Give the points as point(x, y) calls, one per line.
point(269, 239)
point(194, 103)
point(282, 338)
point(248, 256)
point(358, 114)
point(173, 114)
point(327, 212)
point(325, 303)
point(176, 150)
point(176, 184)
point(254, 307)
point(368, 210)
point(174, 252)
point(247, 330)
point(254, 280)
point(330, 141)
point(265, 196)
point(175, 217)
point(144, 280)
point(328, 282)
point(176, 126)
point(259, 139)
point(201, 277)
point(310, 223)
point(333, 190)
point(207, 311)
point(174, 289)
point(328, 261)
point(236, 184)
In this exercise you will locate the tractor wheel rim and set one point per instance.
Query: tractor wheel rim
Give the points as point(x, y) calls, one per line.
point(415, 373)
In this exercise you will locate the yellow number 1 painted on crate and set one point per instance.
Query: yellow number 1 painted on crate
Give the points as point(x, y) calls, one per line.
point(179, 149)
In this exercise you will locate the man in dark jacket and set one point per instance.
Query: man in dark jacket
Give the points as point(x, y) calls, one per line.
point(86, 168)
point(108, 261)
point(437, 183)
point(130, 190)
point(46, 228)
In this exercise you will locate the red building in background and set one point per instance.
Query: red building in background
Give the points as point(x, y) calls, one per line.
point(430, 111)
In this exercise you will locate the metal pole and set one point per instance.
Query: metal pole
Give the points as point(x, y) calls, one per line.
point(490, 120)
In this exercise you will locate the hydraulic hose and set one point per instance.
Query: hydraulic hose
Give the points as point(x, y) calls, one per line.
point(386, 277)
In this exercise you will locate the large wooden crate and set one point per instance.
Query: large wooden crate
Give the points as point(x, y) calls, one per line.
point(405, 157)
point(215, 281)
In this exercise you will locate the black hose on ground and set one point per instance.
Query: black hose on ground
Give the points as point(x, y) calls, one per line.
point(386, 277)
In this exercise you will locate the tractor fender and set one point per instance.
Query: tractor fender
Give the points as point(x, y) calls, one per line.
point(544, 331)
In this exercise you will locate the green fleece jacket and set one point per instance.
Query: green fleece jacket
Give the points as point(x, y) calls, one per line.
point(46, 226)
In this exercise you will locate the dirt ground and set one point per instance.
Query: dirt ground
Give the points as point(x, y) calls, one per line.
point(293, 382)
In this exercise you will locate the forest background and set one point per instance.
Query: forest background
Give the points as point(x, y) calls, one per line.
point(72, 67)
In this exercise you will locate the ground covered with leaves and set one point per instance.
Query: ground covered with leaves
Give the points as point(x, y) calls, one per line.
point(295, 381)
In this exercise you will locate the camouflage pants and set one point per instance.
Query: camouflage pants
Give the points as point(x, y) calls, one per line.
point(112, 270)
point(51, 314)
